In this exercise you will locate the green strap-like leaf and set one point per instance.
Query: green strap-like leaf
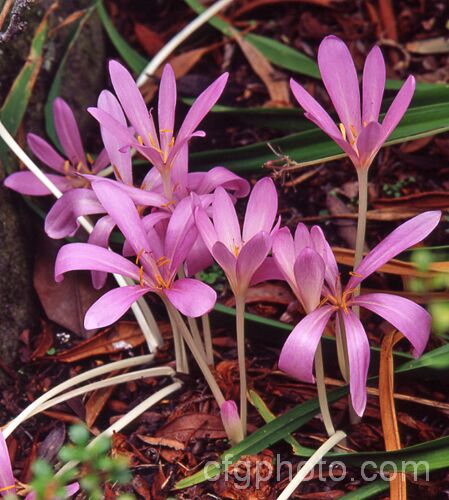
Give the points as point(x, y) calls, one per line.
point(313, 146)
point(132, 58)
point(16, 102)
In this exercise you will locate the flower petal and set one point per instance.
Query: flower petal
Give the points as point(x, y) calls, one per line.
point(202, 105)
point(112, 306)
point(7, 481)
point(359, 354)
point(284, 254)
point(166, 106)
point(45, 153)
point(398, 107)
point(199, 258)
point(139, 196)
point(298, 352)
point(340, 79)
point(100, 237)
point(368, 144)
point(27, 183)
point(231, 421)
point(323, 248)
point(181, 234)
point(191, 297)
point(314, 109)
point(68, 132)
point(84, 256)
point(409, 318)
point(405, 236)
point(227, 261)
point(309, 273)
point(124, 213)
point(225, 219)
point(101, 162)
point(207, 182)
point(251, 257)
point(373, 85)
point(61, 220)
point(132, 102)
point(261, 209)
point(267, 271)
point(121, 161)
point(205, 228)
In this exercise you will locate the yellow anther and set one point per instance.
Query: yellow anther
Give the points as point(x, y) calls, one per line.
point(333, 300)
point(66, 167)
point(356, 275)
point(353, 131)
point(141, 276)
point(140, 140)
point(6, 488)
point(172, 141)
point(153, 144)
point(161, 282)
point(89, 158)
point(326, 299)
point(342, 130)
point(139, 255)
point(236, 250)
point(166, 131)
point(162, 261)
point(79, 166)
point(171, 202)
point(117, 173)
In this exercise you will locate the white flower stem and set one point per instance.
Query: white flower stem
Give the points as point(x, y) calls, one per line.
point(169, 47)
point(322, 394)
point(78, 379)
point(142, 312)
point(240, 327)
point(158, 371)
point(362, 175)
point(187, 336)
point(310, 464)
point(182, 364)
point(127, 419)
point(207, 334)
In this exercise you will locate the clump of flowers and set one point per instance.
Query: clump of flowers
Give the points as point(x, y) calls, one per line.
point(176, 223)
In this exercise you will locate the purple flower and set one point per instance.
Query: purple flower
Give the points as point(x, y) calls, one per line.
point(240, 253)
point(412, 320)
point(160, 147)
point(68, 168)
point(303, 263)
point(158, 260)
point(359, 134)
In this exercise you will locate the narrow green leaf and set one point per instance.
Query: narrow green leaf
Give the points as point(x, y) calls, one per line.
point(268, 416)
point(132, 58)
point(276, 52)
point(16, 102)
point(263, 438)
point(313, 146)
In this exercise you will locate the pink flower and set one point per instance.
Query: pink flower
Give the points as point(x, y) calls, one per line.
point(412, 320)
point(231, 421)
point(359, 134)
point(68, 168)
point(303, 263)
point(158, 260)
point(240, 253)
point(161, 149)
